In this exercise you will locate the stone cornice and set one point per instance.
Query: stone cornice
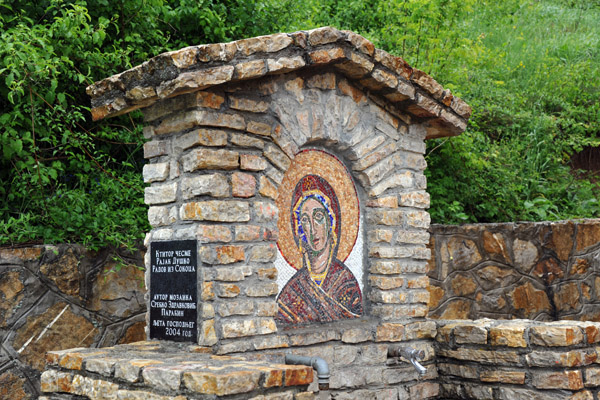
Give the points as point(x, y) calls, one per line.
point(403, 88)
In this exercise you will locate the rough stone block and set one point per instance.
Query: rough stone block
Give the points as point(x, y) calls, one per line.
point(470, 334)
point(508, 335)
point(201, 137)
point(357, 66)
point(387, 217)
point(265, 211)
point(219, 119)
point(326, 56)
point(266, 308)
point(511, 377)
point(483, 356)
point(420, 330)
point(425, 390)
point(417, 219)
point(213, 233)
point(238, 328)
point(385, 282)
point(382, 79)
point(247, 141)
point(155, 172)
point(245, 233)
point(229, 254)
point(160, 194)
point(262, 289)
point(130, 370)
point(250, 69)
point(263, 253)
point(210, 159)
point(592, 377)
point(322, 81)
point(568, 359)
point(194, 80)
point(227, 274)
point(243, 184)
point(571, 380)
point(209, 100)
point(246, 104)
point(361, 44)
point(161, 216)
point(461, 108)
point(259, 128)
point(208, 335)
point(250, 162)
point(155, 148)
point(165, 378)
point(277, 157)
point(227, 290)
point(285, 64)
point(555, 335)
point(267, 188)
point(267, 274)
point(323, 35)
point(427, 83)
point(356, 335)
point(218, 211)
point(215, 185)
point(221, 384)
point(404, 180)
point(389, 332)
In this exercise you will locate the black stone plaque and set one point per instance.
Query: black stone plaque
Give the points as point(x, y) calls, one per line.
point(173, 290)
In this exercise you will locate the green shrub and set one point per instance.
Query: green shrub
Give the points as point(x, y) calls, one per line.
point(530, 69)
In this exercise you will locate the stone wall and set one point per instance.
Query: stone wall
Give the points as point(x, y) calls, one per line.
point(59, 297)
point(217, 157)
point(358, 361)
point(543, 271)
point(518, 360)
point(226, 123)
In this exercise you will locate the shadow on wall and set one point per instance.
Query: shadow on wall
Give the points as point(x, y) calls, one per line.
point(542, 271)
point(61, 297)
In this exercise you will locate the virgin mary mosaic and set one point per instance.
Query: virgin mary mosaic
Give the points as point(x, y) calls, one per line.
point(319, 222)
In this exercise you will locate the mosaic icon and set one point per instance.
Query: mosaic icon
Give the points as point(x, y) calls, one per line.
point(318, 226)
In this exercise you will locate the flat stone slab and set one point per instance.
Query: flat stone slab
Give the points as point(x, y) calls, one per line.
point(200, 67)
point(168, 371)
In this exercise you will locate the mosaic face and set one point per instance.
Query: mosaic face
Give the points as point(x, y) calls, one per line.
point(318, 224)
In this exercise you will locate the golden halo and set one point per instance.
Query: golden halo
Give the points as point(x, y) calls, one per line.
point(327, 166)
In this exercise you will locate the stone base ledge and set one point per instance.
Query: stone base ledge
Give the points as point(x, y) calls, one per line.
point(518, 359)
point(170, 371)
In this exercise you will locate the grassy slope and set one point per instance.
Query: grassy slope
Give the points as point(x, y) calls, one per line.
point(532, 75)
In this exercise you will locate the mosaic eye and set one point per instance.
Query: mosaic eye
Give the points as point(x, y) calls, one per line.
point(305, 220)
point(319, 217)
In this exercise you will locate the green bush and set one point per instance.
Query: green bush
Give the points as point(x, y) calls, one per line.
point(530, 69)
point(63, 177)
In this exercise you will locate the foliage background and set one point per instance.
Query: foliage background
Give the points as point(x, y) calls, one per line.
point(529, 68)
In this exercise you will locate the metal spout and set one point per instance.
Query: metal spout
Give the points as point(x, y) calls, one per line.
point(318, 365)
point(411, 355)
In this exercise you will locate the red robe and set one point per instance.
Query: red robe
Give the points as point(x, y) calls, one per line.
point(301, 300)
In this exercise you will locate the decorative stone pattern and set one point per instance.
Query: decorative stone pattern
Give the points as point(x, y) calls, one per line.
point(544, 271)
point(59, 297)
point(518, 359)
